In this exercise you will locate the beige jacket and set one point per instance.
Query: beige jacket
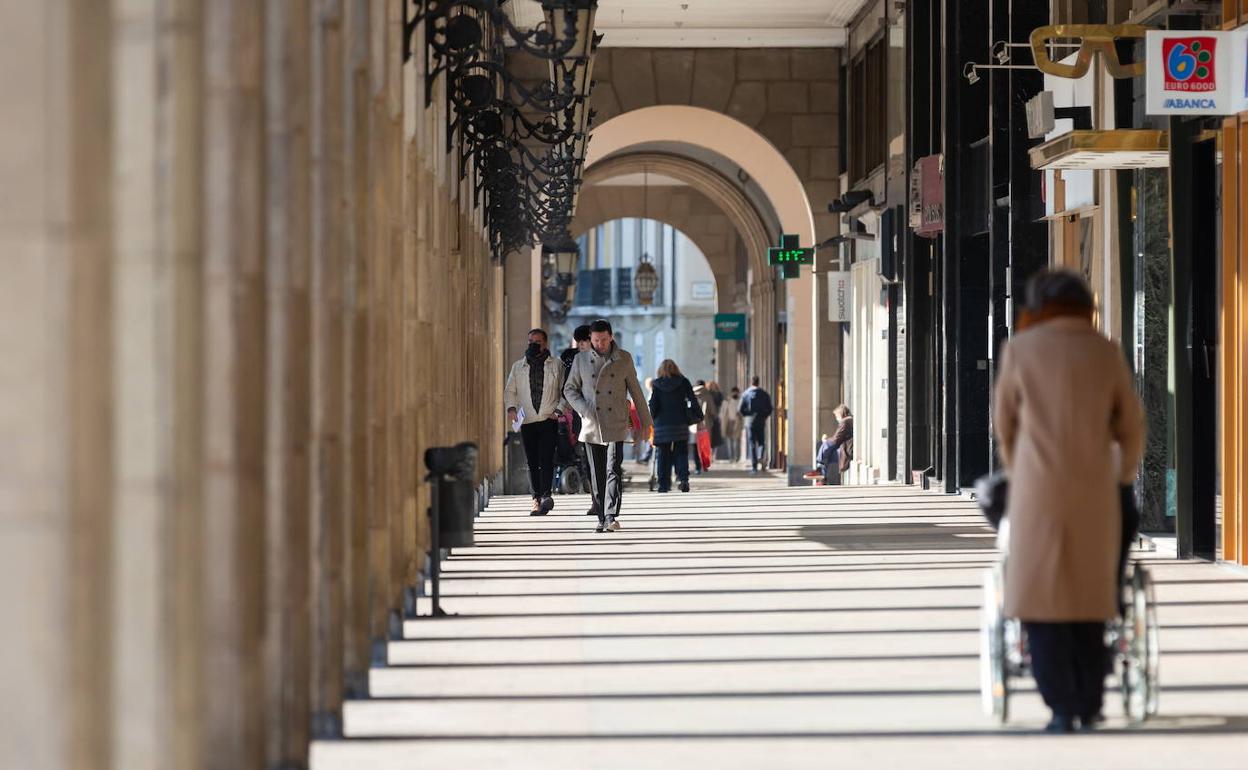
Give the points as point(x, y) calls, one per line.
point(1064, 398)
point(598, 388)
point(518, 393)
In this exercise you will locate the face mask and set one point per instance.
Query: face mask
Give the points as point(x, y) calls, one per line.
point(534, 349)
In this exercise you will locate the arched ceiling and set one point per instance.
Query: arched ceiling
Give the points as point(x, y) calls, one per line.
point(685, 126)
point(725, 196)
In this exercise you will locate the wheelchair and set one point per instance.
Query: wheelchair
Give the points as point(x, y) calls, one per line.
point(1132, 639)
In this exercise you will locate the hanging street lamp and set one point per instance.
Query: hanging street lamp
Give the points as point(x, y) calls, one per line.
point(524, 147)
point(560, 260)
point(646, 281)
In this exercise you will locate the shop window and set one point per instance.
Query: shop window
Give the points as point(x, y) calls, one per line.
point(868, 108)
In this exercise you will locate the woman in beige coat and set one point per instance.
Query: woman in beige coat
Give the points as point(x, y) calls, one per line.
point(1071, 430)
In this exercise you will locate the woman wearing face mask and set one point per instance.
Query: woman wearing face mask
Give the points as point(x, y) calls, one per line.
point(535, 388)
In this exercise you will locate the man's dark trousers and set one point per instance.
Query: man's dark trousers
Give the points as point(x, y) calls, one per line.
point(539, 449)
point(606, 473)
point(756, 443)
point(1068, 663)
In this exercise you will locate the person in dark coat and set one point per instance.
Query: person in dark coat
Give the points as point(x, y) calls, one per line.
point(672, 404)
point(755, 409)
point(580, 344)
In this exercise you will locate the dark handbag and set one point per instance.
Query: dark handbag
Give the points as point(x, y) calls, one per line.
point(693, 415)
point(693, 409)
point(992, 492)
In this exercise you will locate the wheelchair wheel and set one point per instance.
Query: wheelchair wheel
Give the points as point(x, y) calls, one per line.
point(994, 679)
point(1139, 648)
point(570, 481)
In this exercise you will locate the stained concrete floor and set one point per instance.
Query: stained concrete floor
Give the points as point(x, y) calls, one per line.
point(752, 625)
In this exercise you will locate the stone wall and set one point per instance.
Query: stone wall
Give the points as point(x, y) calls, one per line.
point(242, 296)
point(789, 95)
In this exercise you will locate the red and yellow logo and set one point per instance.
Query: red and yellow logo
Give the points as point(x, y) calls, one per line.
point(1189, 63)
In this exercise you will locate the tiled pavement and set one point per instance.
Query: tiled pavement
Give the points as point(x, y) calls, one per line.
point(752, 625)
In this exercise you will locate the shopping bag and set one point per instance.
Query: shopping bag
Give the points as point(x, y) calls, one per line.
point(704, 448)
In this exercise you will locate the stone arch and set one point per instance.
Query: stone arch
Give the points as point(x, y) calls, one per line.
point(697, 127)
point(729, 198)
point(721, 134)
point(706, 227)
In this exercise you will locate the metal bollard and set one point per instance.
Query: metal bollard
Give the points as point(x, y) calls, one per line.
point(452, 509)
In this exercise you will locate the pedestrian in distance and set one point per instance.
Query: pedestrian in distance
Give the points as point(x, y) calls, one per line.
point(755, 409)
point(580, 344)
point(730, 417)
point(646, 445)
point(599, 388)
point(535, 391)
point(710, 417)
point(673, 407)
point(842, 442)
point(717, 427)
point(1071, 434)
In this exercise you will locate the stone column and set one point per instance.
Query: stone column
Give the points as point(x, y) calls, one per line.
point(800, 376)
point(330, 512)
point(827, 344)
point(358, 644)
point(179, 203)
point(56, 301)
point(518, 300)
point(763, 333)
point(234, 384)
point(287, 26)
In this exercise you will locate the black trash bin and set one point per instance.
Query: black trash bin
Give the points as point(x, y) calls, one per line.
point(452, 471)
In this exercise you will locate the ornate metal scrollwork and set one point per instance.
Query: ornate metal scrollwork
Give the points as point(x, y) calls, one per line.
point(524, 144)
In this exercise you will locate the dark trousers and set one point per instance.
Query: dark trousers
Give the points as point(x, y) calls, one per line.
point(1068, 663)
point(606, 474)
point(697, 456)
point(539, 449)
point(756, 444)
point(672, 455)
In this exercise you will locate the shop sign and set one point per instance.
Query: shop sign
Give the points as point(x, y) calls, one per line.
point(730, 326)
point(1196, 72)
point(931, 193)
point(840, 297)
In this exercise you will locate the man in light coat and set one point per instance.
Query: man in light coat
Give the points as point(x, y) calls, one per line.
point(599, 385)
point(535, 387)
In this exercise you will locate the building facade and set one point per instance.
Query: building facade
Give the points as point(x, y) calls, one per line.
point(955, 195)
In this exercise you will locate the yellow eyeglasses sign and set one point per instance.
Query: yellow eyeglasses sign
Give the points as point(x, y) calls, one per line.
point(1093, 39)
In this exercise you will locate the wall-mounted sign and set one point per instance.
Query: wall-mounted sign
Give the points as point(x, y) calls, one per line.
point(931, 188)
point(702, 290)
point(1093, 39)
point(790, 252)
point(1196, 72)
point(790, 256)
point(840, 297)
point(730, 326)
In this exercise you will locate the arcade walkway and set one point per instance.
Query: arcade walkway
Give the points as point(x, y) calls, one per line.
point(753, 625)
